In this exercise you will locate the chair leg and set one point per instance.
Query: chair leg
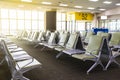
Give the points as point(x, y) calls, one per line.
point(42, 48)
point(108, 64)
point(112, 59)
point(36, 45)
point(18, 76)
point(93, 66)
point(2, 61)
point(59, 54)
point(101, 65)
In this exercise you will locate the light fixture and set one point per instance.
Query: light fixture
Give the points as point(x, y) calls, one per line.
point(48, 3)
point(94, 0)
point(103, 17)
point(63, 5)
point(26, 0)
point(107, 2)
point(78, 6)
point(91, 8)
point(102, 9)
point(117, 4)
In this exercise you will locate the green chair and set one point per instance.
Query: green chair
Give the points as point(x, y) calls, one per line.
point(83, 35)
point(62, 41)
point(114, 44)
point(93, 51)
point(107, 35)
point(71, 43)
point(115, 39)
point(18, 68)
point(51, 41)
point(88, 35)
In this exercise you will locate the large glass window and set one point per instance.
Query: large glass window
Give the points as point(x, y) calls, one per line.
point(20, 14)
point(13, 26)
point(80, 26)
point(27, 14)
point(40, 21)
point(61, 21)
point(13, 20)
point(4, 13)
point(34, 15)
point(112, 25)
point(28, 25)
point(21, 25)
point(12, 14)
point(5, 26)
point(35, 24)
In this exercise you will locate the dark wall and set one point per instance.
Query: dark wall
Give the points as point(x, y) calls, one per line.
point(50, 20)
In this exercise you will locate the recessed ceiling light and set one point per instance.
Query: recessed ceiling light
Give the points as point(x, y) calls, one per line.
point(94, 0)
point(46, 3)
point(107, 2)
point(78, 6)
point(91, 8)
point(63, 5)
point(26, 0)
point(102, 9)
point(118, 4)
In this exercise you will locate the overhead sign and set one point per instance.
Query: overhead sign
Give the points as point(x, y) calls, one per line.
point(83, 16)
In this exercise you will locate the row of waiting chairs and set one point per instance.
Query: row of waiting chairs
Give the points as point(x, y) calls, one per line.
point(18, 60)
point(95, 49)
point(72, 44)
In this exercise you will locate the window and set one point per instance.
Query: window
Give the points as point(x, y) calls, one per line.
point(20, 14)
point(112, 25)
point(13, 20)
point(4, 13)
point(61, 21)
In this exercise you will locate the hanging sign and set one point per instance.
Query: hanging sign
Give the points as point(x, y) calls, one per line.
point(83, 16)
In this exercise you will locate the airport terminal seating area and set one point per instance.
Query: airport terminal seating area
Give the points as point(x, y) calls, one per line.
point(101, 48)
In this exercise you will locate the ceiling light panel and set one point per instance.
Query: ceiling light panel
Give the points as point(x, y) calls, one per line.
point(48, 3)
point(78, 6)
point(26, 0)
point(118, 4)
point(91, 8)
point(63, 5)
point(102, 9)
point(94, 0)
point(107, 2)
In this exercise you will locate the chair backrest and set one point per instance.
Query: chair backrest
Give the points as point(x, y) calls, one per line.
point(63, 39)
point(107, 35)
point(35, 36)
point(95, 44)
point(89, 34)
point(115, 39)
point(32, 34)
point(47, 35)
point(99, 33)
point(52, 38)
point(72, 41)
point(60, 34)
point(24, 34)
point(8, 57)
point(83, 34)
point(40, 36)
point(29, 34)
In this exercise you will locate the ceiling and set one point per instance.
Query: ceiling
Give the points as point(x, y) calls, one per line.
point(71, 3)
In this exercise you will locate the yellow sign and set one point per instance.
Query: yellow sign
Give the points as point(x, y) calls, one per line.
point(83, 16)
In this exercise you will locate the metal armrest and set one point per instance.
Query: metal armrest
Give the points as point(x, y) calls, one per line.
point(26, 64)
point(93, 54)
